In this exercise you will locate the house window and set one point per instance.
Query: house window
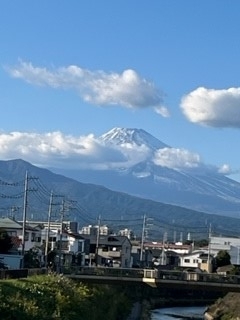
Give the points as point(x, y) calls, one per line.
point(187, 260)
point(26, 238)
point(12, 233)
point(33, 237)
point(195, 261)
point(38, 239)
point(80, 246)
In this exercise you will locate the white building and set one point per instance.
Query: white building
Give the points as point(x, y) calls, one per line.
point(93, 230)
point(231, 245)
point(177, 247)
point(197, 260)
point(126, 232)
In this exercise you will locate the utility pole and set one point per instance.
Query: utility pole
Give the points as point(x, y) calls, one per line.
point(209, 246)
point(24, 216)
point(142, 240)
point(163, 246)
point(48, 227)
point(238, 255)
point(65, 207)
point(97, 240)
point(25, 204)
point(59, 269)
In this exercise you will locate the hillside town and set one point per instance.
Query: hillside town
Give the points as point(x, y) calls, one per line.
point(57, 245)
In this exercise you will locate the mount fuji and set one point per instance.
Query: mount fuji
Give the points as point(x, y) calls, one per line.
point(141, 165)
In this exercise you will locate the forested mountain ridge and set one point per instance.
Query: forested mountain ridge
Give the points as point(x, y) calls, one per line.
point(88, 202)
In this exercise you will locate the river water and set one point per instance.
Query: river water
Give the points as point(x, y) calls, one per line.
point(178, 313)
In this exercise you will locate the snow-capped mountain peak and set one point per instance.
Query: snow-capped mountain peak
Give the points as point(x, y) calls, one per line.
point(119, 136)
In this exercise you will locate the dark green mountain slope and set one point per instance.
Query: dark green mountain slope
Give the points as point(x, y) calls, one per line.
point(90, 201)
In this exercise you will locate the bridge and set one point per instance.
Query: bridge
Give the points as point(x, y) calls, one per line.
point(159, 279)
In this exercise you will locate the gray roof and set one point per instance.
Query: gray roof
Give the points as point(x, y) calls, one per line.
point(107, 239)
point(7, 223)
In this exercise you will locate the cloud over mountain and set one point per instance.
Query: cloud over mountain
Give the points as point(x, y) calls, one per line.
point(125, 89)
point(57, 149)
point(215, 108)
point(175, 158)
point(54, 149)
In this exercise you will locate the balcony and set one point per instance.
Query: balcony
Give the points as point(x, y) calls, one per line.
point(114, 254)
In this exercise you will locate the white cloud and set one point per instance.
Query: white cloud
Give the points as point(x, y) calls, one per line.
point(55, 149)
point(176, 158)
point(163, 111)
point(134, 153)
point(126, 89)
point(225, 169)
point(216, 108)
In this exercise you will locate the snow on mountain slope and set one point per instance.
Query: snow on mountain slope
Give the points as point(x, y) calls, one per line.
point(155, 171)
point(123, 136)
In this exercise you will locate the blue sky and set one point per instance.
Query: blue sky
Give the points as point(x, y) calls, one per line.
point(73, 70)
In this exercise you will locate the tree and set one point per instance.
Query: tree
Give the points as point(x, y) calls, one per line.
point(31, 258)
point(223, 258)
point(5, 241)
point(201, 243)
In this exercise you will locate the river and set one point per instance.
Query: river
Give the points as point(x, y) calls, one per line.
point(178, 313)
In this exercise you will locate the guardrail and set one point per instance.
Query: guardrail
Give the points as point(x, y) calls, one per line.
point(200, 277)
point(105, 271)
point(133, 273)
point(153, 274)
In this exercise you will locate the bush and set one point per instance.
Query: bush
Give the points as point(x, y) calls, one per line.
point(56, 297)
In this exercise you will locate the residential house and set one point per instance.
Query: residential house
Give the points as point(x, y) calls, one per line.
point(15, 230)
point(164, 258)
point(157, 253)
point(141, 257)
point(69, 248)
point(225, 270)
point(197, 260)
point(109, 250)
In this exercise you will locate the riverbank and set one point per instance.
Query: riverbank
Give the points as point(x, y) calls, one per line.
point(140, 311)
point(226, 308)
